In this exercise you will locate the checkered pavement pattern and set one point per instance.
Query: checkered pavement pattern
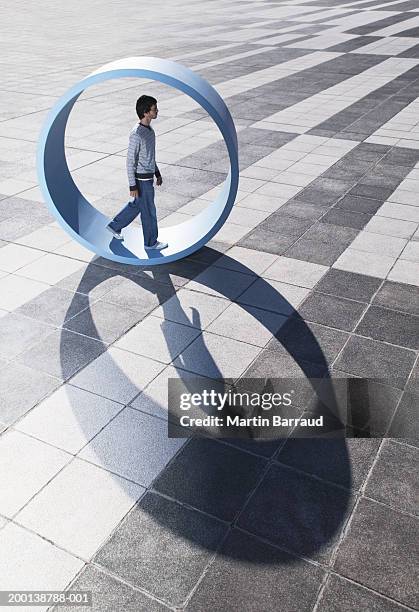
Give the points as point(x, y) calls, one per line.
point(323, 240)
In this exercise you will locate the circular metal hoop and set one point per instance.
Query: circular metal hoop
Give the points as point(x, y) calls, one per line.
point(86, 224)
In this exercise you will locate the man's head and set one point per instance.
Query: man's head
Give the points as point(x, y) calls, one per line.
point(146, 108)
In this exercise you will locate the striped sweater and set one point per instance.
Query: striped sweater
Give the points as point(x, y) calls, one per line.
point(141, 155)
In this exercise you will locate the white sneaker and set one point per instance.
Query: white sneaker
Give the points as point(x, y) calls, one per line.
point(157, 246)
point(114, 233)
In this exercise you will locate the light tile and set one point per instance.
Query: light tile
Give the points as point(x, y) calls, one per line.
point(405, 272)
point(117, 375)
point(15, 256)
point(257, 201)
point(411, 252)
point(245, 260)
point(69, 418)
point(389, 246)
point(80, 507)
point(274, 296)
point(361, 262)
point(26, 466)
point(28, 562)
point(399, 211)
point(134, 445)
point(391, 227)
point(16, 291)
point(280, 190)
point(217, 357)
point(50, 269)
point(191, 308)
point(46, 238)
point(221, 282)
point(295, 272)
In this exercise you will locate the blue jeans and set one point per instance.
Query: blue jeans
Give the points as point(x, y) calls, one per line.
point(144, 205)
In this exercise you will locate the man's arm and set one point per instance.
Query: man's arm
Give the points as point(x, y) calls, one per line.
point(158, 175)
point(132, 157)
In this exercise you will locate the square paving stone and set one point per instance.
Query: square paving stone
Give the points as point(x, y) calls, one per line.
point(94, 281)
point(162, 547)
point(401, 157)
point(27, 466)
point(346, 218)
point(80, 522)
point(134, 445)
point(372, 191)
point(212, 477)
point(18, 334)
point(349, 467)
point(308, 341)
point(110, 594)
point(328, 233)
point(139, 294)
point(372, 359)
point(54, 306)
point(349, 285)
point(331, 310)
point(395, 477)
point(398, 296)
point(313, 251)
point(21, 568)
point(341, 595)
point(244, 562)
point(413, 382)
point(62, 353)
point(103, 321)
point(295, 272)
point(191, 308)
point(364, 553)
point(20, 389)
point(273, 295)
point(285, 225)
point(359, 204)
point(158, 339)
point(405, 423)
point(390, 326)
point(222, 283)
point(297, 512)
point(261, 239)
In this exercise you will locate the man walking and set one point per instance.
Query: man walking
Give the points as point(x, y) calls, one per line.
point(141, 169)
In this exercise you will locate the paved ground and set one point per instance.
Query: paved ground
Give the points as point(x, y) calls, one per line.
point(93, 494)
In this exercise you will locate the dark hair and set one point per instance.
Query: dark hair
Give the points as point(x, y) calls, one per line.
point(144, 104)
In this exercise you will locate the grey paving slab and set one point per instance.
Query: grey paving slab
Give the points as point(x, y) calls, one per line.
point(54, 306)
point(390, 326)
point(348, 285)
point(162, 547)
point(218, 477)
point(376, 360)
point(373, 529)
point(21, 388)
point(242, 561)
point(323, 253)
point(297, 512)
point(19, 333)
point(359, 204)
point(405, 422)
point(341, 595)
point(398, 296)
point(394, 478)
point(332, 311)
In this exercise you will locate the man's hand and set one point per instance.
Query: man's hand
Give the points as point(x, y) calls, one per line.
point(159, 180)
point(134, 193)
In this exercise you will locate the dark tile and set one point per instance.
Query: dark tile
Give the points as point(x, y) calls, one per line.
point(258, 446)
point(390, 326)
point(20, 389)
point(334, 234)
point(103, 321)
point(352, 167)
point(398, 296)
point(62, 353)
point(395, 477)
point(94, 281)
point(285, 225)
point(325, 191)
point(110, 594)
point(400, 156)
point(308, 341)
point(405, 423)
point(369, 151)
point(332, 311)
point(372, 191)
point(359, 204)
point(324, 253)
point(378, 550)
point(341, 595)
point(269, 242)
point(210, 253)
point(346, 218)
point(297, 512)
point(177, 273)
point(18, 334)
point(162, 547)
point(54, 306)
point(313, 457)
point(348, 285)
point(413, 382)
point(302, 210)
point(212, 477)
point(244, 562)
point(376, 360)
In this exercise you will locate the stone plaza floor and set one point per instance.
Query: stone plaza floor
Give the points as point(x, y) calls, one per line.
point(323, 242)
